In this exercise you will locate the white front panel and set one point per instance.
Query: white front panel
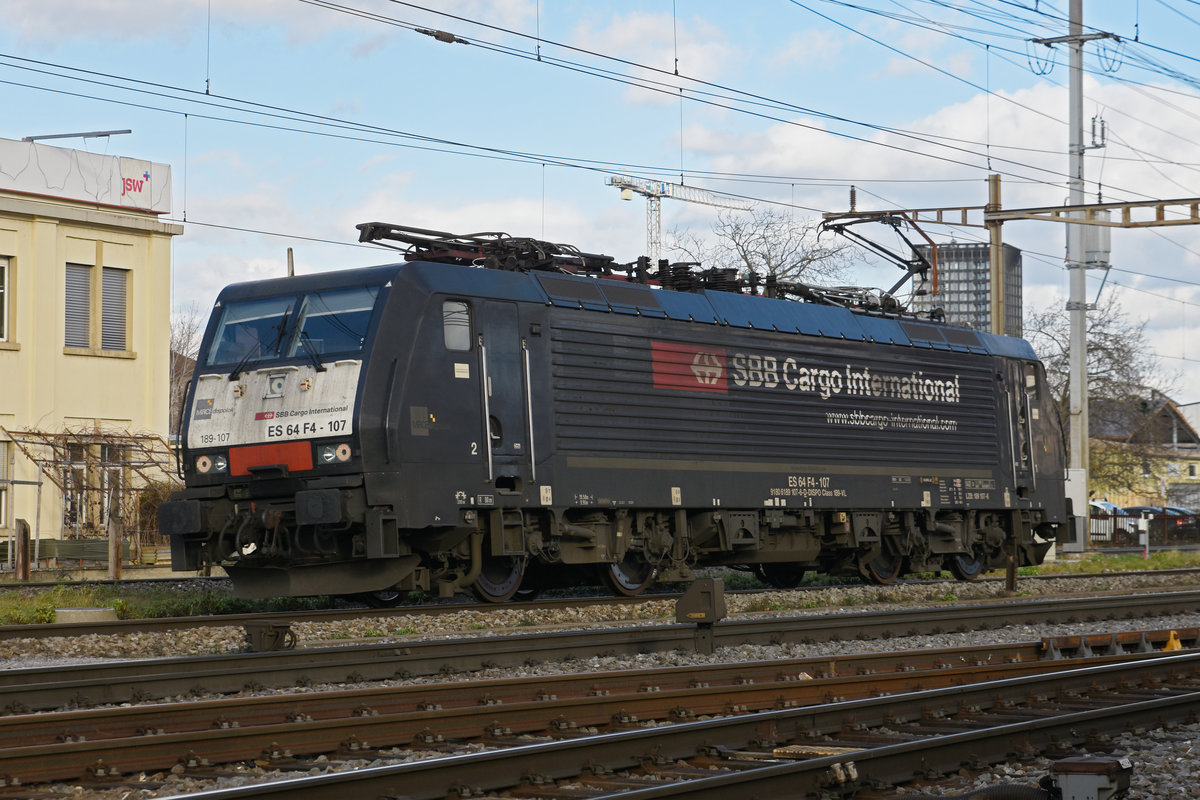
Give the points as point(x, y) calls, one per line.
point(274, 404)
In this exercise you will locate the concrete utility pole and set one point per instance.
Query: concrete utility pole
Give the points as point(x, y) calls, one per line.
point(1077, 302)
point(1077, 235)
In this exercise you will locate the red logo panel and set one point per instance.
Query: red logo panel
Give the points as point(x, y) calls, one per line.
point(694, 369)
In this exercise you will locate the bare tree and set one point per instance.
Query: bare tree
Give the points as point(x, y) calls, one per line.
point(767, 242)
point(1125, 386)
point(187, 328)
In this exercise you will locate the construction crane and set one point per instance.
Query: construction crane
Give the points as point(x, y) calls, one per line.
point(654, 191)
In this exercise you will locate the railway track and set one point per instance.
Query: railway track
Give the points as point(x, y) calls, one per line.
point(23, 690)
point(167, 624)
point(785, 729)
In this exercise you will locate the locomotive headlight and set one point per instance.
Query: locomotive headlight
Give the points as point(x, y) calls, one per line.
point(213, 464)
point(334, 453)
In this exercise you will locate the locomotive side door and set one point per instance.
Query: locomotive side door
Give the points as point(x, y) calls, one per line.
point(1022, 406)
point(503, 395)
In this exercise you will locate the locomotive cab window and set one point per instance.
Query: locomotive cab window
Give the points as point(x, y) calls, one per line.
point(251, 330)
point(456, 325)
point(290, 326)
point(334, 321)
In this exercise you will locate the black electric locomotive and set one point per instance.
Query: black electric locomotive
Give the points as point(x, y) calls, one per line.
point(499, 410)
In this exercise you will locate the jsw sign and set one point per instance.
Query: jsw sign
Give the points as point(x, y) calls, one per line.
point(131, 185)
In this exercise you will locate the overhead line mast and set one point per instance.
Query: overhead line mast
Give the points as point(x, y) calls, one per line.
point(1077, 412)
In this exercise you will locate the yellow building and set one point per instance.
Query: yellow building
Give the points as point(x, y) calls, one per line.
point(85, 295)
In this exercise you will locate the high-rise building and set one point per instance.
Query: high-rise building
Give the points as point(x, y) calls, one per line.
point(964, 286)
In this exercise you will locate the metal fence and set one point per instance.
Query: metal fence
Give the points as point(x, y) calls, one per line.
point(1162, 532)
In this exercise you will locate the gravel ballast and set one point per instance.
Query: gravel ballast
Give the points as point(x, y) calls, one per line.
point(1166, 763)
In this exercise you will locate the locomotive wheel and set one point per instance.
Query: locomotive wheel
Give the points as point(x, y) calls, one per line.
point(384, 598)
point(884, 568)
point(629, 577)
point(781, 576)
point(530, 586)
point(533, 581)
point(499, 579)
point(965, 567)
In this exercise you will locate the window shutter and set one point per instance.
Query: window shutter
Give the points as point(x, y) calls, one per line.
point(3, 299)
point(112, 312)
point(79, 305)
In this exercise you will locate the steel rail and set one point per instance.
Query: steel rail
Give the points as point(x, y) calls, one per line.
point(61, 746)
point(493, 771)
point(146, 679)
point(58, 746)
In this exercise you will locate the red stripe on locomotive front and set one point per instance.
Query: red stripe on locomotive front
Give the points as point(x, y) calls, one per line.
point(296, 456)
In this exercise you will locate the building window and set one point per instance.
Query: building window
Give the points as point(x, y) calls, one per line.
point(4, 282)
point(1191, 470)
point(112, 483)
point(4, 456)
point(80, 304)
point(112, 309)
point(74, 483)
point(93, 482)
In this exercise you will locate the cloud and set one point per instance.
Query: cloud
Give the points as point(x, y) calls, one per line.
point(657, 40)
point(396, 201)
point(812, 49)
point(37, 21)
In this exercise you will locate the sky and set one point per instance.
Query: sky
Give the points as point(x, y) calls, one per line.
point(287, 122)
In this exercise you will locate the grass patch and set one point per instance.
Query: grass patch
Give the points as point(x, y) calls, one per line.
point(738, 579)
point(25, 605)
point(1099, 563)
point(765, 604)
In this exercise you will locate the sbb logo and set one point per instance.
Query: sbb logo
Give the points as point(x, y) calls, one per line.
point(688, 367)
point(707, 368)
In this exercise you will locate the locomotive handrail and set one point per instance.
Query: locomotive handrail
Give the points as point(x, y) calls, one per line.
point(529, 412)
point(487, 411)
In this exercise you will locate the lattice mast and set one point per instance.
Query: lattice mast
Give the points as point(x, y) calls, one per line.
point(654, 191)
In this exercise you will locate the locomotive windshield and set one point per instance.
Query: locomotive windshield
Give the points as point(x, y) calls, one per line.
point(291, 326)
